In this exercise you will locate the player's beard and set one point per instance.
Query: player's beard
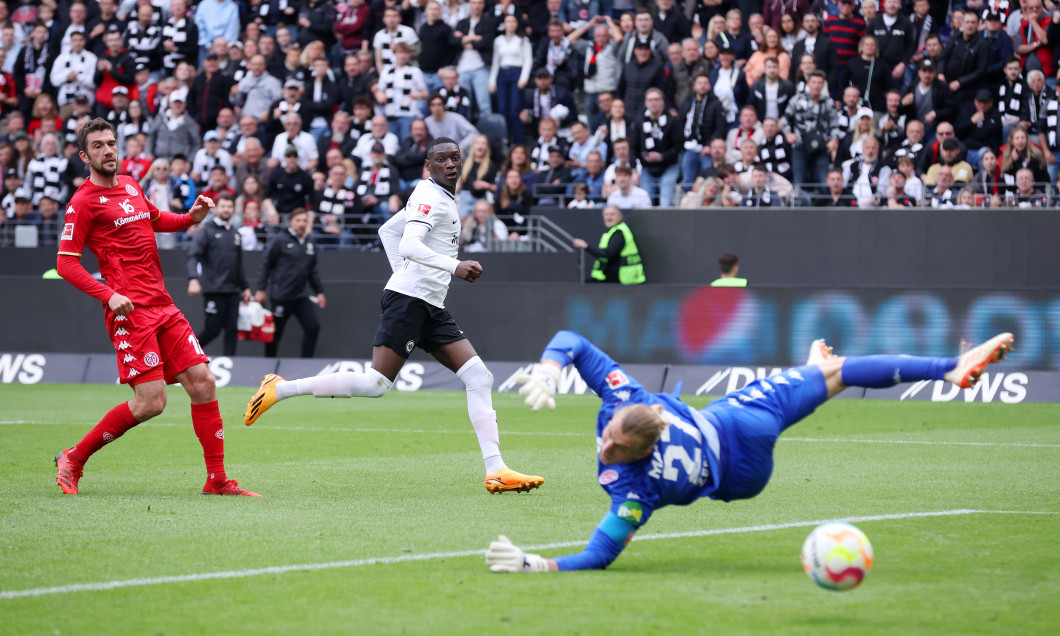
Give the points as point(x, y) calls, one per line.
point(102, 170)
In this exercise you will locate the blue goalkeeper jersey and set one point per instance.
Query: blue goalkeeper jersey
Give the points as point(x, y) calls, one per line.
point(683, 466)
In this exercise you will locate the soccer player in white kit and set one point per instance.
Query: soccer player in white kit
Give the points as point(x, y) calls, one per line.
point(422, 243)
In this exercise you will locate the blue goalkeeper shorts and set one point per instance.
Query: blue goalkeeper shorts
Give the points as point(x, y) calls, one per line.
point(750, 420)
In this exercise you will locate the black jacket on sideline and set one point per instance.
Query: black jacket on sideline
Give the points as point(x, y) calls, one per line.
point(216, 259)
point(288, 266)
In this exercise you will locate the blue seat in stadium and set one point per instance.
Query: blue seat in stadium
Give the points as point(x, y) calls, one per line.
point(495, 127)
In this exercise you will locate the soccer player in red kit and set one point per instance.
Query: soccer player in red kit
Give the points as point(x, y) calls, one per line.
point(155, 345)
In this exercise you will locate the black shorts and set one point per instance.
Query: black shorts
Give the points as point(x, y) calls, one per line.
point(406, 323)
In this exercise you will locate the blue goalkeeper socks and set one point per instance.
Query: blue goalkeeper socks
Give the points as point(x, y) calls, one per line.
point(880, 372)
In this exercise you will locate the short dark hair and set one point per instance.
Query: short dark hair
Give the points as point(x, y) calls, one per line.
point(226, 197)
point(435, 95)
point(96, 125)
point(295, 212)
point(727, 262)
point(438, 142)
point(819, 73)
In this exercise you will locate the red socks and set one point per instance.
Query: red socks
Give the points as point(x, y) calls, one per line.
point(113, 425)
point(206, 418)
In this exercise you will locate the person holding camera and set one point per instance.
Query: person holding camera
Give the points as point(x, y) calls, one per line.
point(811, 126)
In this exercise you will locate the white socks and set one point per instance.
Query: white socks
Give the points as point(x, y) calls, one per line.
point(479, 382)
point(371, 383)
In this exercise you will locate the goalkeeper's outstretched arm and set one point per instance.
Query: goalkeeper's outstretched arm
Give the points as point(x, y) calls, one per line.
point(566, 347)
point(607, 542)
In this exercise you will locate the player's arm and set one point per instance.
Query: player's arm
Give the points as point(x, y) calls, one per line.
point(567, 347)
point(390, 236)
point(607, 542)
point(413, 247)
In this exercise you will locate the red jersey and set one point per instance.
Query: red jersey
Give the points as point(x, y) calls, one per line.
point(116, 224)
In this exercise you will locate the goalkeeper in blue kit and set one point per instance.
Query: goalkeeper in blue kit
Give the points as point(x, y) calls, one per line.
point(654, 450)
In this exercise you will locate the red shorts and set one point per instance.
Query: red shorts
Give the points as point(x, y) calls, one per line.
point(153, 343)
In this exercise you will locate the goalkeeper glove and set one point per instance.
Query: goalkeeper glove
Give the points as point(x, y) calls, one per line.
point(504, 556)
point(539, 387)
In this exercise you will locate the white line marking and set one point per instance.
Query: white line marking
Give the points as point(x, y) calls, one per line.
point(925, 443)
point(430, 556)
point(339, 429)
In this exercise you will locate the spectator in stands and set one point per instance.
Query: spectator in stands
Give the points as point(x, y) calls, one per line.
point(316, 21)
point(771, 92)
point(671, 23)
point(209, 93)
point(482, 229)
point(891, 124)
point(601, 65)
point(184, 190)
point(583, 143)
point(412, 152)
point(547, 101)
point(475, 34)
point(259, 90)
point(845, 30)
point(692, 65)
point(320, 99)
point(435, 41)
point(334, 205)
point(775, 151)
point(290, 103)
point(864, 174)
point(820, 47)
point(1012, 96)
point(250, 189)
point(143, 38)
point(1026, 193)
point(513, 203)
point(755, 68)
point(735, 38)
point(702, 120)
point(964, 61)
point(639, 74)
point(253, 163)
point(457, 98)
point(988, 182)
point(400, 88)
point(216, 19)
point(510, 73)
point(837, 196)
point(729, 83)
point(1033, 44)
point(293, 135)
point(352, 24)
point(73, 72)
point(547, 140)
point(864, 127)
point(114, 67)
point(626, 195)
point(895, 39)
point(870, 74)
point(929, 101)
point(289, 186)
point(622, 157)
point(592, 177)
point(789, 26)
point(1036, 99)
point(379, 135)
point(377, 182)
point(749, 128)
point(443, 123)
point(361, 121)
point(218, 185)
point(1000, 47)
point(45, 174)
point(643, 31)
point(174, 132)
point(558, 57)
point(518, 159)
point(760, 195)
point(748, 157)
point(136, 163)
point(553, 181)
point(982, 129)
point(210, 156)
point(657, 141)
point(1018, 153)
point(950, 155)
point(896, 196)
point(943, 195)
point(478, 176)
point(579, 193)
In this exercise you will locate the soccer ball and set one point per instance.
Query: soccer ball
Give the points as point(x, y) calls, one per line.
point(837, 556)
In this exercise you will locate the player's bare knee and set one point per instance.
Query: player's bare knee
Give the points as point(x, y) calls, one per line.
point(148, 404)
point(200, 385)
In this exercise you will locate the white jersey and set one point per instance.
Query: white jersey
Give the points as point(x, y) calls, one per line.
point(435, 207)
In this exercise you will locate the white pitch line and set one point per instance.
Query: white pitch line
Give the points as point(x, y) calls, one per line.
point(924, 442)
point(339, 429)
point(430, 556)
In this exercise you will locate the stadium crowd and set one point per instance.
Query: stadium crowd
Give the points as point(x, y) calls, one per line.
point(329, 106)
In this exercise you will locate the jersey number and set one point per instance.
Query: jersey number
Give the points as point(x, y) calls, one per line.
point(195, 345)
point(667, 464)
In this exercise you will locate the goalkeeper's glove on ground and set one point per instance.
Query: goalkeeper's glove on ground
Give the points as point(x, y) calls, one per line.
point(539, 386)
point(504, 556)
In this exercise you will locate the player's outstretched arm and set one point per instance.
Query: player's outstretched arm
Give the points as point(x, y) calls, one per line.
point(607, 542)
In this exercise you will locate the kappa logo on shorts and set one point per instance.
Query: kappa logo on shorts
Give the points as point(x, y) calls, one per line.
point(128, 358)
point(609, 476)
point(131, 189)
point(133, 372)
point(122, 331)
point(424, 209)
point(616, 379)
point(120, 318)
point(151, 359)
point(409, 346)
point(68, 232)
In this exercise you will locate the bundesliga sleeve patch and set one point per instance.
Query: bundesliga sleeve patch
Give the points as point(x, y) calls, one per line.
point(631, 511)
point(616, 379)
point(424, 209)
point(68, 232)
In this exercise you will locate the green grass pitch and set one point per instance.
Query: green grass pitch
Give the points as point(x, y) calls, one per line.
point(382, 505)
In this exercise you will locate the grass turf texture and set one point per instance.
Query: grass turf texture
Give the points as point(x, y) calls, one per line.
point(336, 491)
